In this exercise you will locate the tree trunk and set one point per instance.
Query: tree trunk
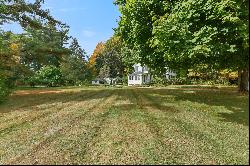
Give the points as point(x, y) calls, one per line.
point(244, 80)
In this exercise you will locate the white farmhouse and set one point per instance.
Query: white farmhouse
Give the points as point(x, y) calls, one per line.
point(141, 75)
point(169, 74)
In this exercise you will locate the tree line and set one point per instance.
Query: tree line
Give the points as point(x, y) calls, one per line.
point(40, 55)
point(201, 38)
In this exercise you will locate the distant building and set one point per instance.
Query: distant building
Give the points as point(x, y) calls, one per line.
point(107, 81)
point(142, 75)
point(97, 81)
point(170, 74)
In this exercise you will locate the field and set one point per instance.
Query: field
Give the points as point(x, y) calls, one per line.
point(98, 125)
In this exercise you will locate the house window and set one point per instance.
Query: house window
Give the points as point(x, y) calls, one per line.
point(138, 77)
point(136, 68)
point(135, 77)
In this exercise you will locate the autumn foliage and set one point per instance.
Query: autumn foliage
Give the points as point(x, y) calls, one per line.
point(97, 52)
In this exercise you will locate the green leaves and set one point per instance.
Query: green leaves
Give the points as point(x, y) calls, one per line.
point(136, 26)
point(232, 48)
point(48, 75)
point(4, 89)
point(189, 32)
point(110, 62)
point(74, 66)
point(186, 33)
point(27, 14)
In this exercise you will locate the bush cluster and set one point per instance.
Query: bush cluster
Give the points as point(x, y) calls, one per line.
point(157, 81)
point(49, 76)
point(5, 90)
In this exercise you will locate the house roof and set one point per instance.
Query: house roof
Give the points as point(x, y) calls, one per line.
point(136, 73)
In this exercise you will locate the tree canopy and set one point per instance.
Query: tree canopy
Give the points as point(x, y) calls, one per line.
point(27, 14)
point(183, 34)
point(108, 59)
point(41, 47)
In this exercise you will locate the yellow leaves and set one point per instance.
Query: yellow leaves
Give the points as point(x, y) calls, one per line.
point(15, 51)
point(233, 75)
point(97, 52)
point(14, 46)
point(229, 74)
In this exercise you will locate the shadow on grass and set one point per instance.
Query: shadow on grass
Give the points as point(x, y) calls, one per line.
point(139, 100)
point(226, 97)
point(35, 98)
point(229, 98)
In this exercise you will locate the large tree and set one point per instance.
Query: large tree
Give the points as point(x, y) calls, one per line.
point(41, 43)
point(205, 32)
point(136, 26)
point(92, 60)
point(187, 33)
point(42, 47)
point(74, 66)
point(111, 58)
point(43, 34)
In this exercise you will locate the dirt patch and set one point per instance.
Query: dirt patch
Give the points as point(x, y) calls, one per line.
point(33, 92)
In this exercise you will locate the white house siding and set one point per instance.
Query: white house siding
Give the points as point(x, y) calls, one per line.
point(141, 75)
point(140, 80)
point(108, 80)
point(134, 80)
point(95, 82)
point(170, 74)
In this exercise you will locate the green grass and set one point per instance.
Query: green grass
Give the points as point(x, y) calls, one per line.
point(98, 125)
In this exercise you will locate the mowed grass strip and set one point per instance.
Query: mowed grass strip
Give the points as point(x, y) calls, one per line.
point(30, 133)
point(22, 101)
point(196, 130)
point(59, 147)
point(127, 126)
point(121, 136)
point(25, 115)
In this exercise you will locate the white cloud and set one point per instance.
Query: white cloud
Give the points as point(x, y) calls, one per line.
point(88, 33)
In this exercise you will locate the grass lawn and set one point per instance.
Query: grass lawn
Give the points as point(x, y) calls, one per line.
point(172, 125)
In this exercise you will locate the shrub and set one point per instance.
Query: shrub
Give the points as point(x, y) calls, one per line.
point(158, 81)
point(125, 80)
point(4, 90)
point(179, 81)
point(32, 81)
point(48, 75)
